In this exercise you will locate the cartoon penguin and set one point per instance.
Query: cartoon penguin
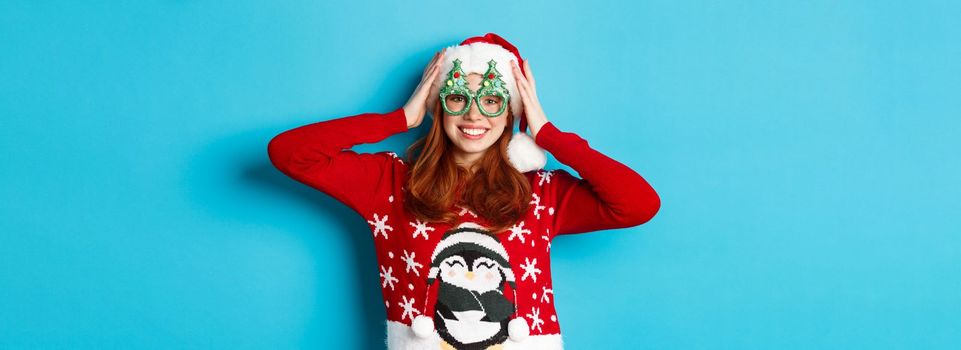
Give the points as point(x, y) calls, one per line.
point(471, 310)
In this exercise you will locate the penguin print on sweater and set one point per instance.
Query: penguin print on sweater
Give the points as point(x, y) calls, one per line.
point(472, 268)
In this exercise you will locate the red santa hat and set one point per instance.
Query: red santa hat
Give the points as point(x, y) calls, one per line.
point(474, 53)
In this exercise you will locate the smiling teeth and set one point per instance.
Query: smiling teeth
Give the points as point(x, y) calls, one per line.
point(473, 132)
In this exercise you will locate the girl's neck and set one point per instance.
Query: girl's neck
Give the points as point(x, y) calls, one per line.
point(468, 161)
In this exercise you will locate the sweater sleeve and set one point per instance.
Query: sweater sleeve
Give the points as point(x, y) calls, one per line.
point(610, 195)
point(318, 155)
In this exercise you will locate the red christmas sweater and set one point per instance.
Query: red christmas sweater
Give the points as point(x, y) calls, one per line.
point(469, 282)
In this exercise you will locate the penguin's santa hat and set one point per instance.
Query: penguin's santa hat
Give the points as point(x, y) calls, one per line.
point(472, 237)
point(474, 53)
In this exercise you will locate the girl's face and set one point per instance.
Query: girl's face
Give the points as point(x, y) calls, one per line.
point(472, 133)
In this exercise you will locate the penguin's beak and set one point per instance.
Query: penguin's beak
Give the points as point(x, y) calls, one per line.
point(469, 275)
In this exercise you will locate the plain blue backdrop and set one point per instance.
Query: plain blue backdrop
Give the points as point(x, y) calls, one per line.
point(806, 154)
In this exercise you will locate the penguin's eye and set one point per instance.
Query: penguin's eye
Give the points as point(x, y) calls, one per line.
point(454, 263)
point(485, 264)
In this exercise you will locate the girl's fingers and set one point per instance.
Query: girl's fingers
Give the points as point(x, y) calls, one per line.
point(524, 98)
point(522, 83)
point(429, 79)
point(530, 74)
point(432, 79)
point(523, 78)
point(525, 95)
point(437, 57)
point(425, 82)
point(434, 62)
point(430, 65)
point(433, 75)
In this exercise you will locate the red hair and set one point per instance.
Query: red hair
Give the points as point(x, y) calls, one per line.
point(497, 192)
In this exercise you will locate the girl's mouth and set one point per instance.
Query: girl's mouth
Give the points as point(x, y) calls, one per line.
point(473, 134)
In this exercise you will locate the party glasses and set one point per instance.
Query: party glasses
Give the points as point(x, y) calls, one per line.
point(492, 98)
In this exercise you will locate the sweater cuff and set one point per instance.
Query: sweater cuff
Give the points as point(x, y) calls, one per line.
point(396, 121)
point(547, 136)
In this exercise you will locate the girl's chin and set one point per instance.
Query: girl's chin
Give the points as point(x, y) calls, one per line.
point(472, 147)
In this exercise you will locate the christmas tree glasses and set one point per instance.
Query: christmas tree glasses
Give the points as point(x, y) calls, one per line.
point(492, 98)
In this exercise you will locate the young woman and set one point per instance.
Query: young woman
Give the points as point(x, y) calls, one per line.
point(463, 226)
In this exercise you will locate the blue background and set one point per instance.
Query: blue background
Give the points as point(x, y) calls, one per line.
point(806, 154)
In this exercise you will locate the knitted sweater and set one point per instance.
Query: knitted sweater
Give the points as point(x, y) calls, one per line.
point(469, 282)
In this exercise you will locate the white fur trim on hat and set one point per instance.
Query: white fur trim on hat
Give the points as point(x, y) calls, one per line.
point(473, 59)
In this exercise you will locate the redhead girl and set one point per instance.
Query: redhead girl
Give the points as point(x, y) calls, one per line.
point(462, 225)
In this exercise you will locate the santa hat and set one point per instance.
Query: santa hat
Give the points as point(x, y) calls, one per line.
point(471, 237)
point(474, 53)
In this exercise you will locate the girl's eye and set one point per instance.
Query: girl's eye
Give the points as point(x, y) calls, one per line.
point(458, 99)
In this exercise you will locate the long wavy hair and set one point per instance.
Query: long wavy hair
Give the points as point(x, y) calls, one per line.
point(496, 192)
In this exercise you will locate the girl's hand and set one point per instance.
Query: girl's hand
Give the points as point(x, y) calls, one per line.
point(416, 106)
point(532, 107)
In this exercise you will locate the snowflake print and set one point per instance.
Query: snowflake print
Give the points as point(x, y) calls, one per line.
point(408, 259)
point(536, 320)
point(387, 275)
point(537, 205)
point(408, 306)
point(518, 231)
point(544, 176)
point(530, 269)
point(464, 210)
point(421, 228)
point(546, 291)
point(548, 239)
point(380, 225)
point(392, 154)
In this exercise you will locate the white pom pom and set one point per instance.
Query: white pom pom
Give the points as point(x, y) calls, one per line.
point(517, 329)
point(423, 326)
point(524, 153)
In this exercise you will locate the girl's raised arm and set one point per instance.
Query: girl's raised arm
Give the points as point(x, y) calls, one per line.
point(610, 195)
point(318, 155)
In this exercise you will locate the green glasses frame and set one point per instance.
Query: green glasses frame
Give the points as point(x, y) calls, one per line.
point(492, 85)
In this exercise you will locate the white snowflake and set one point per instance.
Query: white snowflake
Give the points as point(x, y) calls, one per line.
point(544, 176)
point(392, 154)
point(537, 205)
point(386, 274)
point(464, 210)
point(380, 225)
point(408, 259)
point(409, 310)
point(530, 269)
point(546, 291)
point(421, 228)
point(548, 239)
point(518, 231)
point(536, 320)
